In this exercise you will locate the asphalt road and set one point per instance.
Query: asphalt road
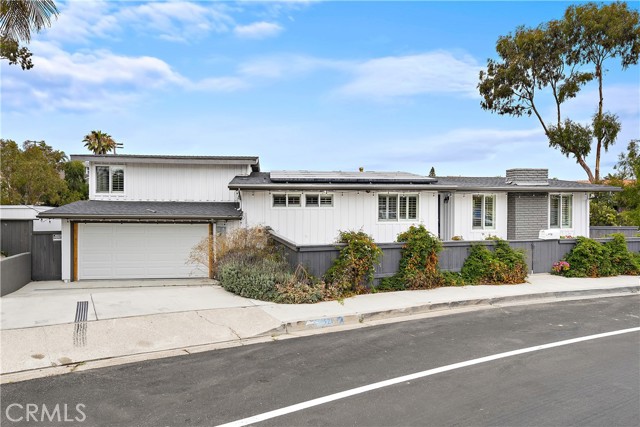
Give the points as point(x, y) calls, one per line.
point(594, 382)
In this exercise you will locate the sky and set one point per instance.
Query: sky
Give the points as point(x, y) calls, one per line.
point(304, 85)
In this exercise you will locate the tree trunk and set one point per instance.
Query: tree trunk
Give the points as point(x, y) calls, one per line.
point(599, 142)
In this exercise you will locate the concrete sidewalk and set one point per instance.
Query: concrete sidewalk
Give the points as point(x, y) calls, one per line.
point(125, 325)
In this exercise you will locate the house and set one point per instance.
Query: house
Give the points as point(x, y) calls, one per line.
point(312, 207)
point(146, 213)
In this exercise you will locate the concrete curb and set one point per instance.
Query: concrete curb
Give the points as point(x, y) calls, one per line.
point(356, 318)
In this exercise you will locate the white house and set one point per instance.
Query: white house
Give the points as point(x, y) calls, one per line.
point(146, 213)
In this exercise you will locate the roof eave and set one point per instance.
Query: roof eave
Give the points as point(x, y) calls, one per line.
point(141, 217)
point(254, 162)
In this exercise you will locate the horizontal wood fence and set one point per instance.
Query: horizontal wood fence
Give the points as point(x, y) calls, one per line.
point(539, 254)
point(597, 231)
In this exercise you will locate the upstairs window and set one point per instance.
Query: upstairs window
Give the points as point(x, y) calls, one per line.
point(394, 207)
point(484, 208)
point(560, 211)
point(110, 179)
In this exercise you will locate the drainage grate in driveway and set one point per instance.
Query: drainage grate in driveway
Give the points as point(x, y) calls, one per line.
point(82, 311)
point(80, 330)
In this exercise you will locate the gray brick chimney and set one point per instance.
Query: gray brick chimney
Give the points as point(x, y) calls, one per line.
point(527, 176)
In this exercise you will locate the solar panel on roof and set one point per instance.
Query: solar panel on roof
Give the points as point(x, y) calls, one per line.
point(341, 176)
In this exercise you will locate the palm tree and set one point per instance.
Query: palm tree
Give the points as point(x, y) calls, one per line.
point(99, 142)
point(19, 17)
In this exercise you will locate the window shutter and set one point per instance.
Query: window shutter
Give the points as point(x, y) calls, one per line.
point(477, 211)
point(102, 179)
point(279, 200)
point(554, 211)
point(403, 207)
point(326, 200)
point(382, 207)
point(311, 200)
point(489, 208)
point(293, 200)
point(413, 207)
point(117, 180)
point(393, 207)
point(567, 211)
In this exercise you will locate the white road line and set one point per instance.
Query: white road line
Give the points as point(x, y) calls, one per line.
point(358, 390)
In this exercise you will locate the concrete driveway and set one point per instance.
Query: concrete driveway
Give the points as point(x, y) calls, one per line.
point(51, 303)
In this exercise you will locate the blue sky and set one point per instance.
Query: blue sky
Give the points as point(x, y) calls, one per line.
point(303, 84)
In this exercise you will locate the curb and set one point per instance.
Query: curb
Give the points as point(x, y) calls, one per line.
point(358, 318)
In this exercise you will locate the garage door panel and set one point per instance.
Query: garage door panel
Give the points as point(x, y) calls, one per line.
point(112, 251)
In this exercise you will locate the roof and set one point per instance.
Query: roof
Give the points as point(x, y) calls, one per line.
point(266, 181)
point(254, 161)
point(119, 210)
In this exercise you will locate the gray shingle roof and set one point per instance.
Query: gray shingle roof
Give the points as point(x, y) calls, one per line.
point(257, 180)
point(99, 209)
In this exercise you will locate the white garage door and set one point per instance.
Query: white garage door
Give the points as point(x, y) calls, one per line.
point(138, 251)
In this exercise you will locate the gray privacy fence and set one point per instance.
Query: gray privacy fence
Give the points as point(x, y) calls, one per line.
point(597, 231)
point(539, 254)
point(16, 272)
point(15, 236)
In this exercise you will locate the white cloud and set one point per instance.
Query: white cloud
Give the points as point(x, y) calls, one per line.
point(257, 30)
point(280, 66)
point(403, 76)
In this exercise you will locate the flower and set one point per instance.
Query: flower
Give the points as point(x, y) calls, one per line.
point(560, 266)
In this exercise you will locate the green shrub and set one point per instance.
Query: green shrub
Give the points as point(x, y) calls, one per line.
point(504, 265)
point(254, 277)
point(589, 258)
point(622, 261)
point(418, 267)
point(354, 267)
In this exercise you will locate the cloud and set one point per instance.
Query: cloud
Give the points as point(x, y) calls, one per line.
point(95, 80)
point(258, 30)
point(411, 75)
point(281, 66)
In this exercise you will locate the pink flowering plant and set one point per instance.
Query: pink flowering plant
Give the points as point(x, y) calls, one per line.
point(560, 267)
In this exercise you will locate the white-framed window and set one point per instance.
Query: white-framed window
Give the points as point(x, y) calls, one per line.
point(397, 207)
point(560, 211)
point(287, 200)
point(109, 179)
point(318, 200)
point(484, 211)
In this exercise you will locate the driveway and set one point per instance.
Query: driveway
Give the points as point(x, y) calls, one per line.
point(51, 303)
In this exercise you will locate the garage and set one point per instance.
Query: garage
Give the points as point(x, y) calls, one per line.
point(138, 251)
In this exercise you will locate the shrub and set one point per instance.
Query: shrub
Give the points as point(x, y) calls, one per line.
point(253, 241)
point(589, 258)
point(622, 261)
point(252, 277)
point(304, 289)
point(354, 268)
point(504, 265)
point(418, 267)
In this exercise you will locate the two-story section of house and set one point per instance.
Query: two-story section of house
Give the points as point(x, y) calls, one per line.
point(146, 213)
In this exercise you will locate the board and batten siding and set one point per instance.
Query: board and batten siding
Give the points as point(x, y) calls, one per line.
point(173, 182)
point(463, 217)
point(351, 211)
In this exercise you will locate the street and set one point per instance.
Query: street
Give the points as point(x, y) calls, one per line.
point(590, 382)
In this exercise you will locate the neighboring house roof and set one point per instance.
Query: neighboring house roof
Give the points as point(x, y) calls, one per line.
point(402, 181)
point(254, 161)
point(118, 210)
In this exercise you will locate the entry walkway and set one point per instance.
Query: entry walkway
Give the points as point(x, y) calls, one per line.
point(44, 333)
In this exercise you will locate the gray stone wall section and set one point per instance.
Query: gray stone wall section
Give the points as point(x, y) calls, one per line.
point(527, 214)
point(16, 272)
point(537, 176)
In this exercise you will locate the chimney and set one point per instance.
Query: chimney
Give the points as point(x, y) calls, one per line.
point(527, 176)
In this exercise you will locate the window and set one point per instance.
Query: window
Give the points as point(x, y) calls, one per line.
point(287, 200)
point(560, 211)
point(483, 211)
point(394, 207)
point(109, 179)
point(318, 200)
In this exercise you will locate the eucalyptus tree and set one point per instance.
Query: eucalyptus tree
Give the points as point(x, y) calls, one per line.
point(558, 58)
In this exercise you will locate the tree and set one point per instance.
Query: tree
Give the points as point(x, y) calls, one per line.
point(552, 57)
point(18, 18)
point(628, 171)
point(432, 172)
point(32, 175)
point(99, 142)
point(77, 187)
